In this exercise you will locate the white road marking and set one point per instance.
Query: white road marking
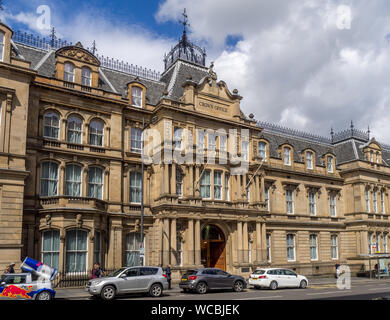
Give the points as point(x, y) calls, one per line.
point(377, 288)
point(259, 298)
point(318, 293)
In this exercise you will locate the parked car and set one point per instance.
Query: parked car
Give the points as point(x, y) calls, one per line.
point(149, 280)
point(274, 278)
point(202, 280)
point(25, 286)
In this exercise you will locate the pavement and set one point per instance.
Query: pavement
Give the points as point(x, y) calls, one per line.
point(319, 288)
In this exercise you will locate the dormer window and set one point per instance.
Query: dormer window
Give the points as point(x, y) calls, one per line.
point(287, 156)
point(309, 160)
point(86, 76)
point(329, 164)
point(262, 150)
point(2, 38)
point(69, 72)
point(136, 96)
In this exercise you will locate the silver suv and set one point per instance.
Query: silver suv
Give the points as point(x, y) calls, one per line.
point(129, 280)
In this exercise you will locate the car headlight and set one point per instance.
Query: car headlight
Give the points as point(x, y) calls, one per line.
point(96, 282)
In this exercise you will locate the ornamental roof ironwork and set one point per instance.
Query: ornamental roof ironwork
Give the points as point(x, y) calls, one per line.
point(185, 50)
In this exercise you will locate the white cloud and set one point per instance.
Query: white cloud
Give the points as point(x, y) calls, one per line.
point(294, 64)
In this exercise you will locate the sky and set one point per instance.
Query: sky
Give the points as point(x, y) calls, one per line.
point(304, 64)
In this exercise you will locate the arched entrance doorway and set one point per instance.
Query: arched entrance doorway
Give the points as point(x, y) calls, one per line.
point(213, 247)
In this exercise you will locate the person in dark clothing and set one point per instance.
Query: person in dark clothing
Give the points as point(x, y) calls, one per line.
point(168, 273)
point(11, 268)
point(97, 271)
point(337, 271)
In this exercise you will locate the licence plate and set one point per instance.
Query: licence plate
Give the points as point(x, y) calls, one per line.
point(254, 278)
point(183, 279)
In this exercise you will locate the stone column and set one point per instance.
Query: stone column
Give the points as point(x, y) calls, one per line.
point(246, 245)
point(173, 242)
point(166, 179)
point(258, 242)
point(173, 178)
point(190, 242)
point(61, 262)
point(239, 240)
point(61, 180)
point(262, 189)
point(190, 180)
point(165, 241)
point(364, 242)
point(197, 182)
point(197, 242)
point(264, 241)
point(84, 186)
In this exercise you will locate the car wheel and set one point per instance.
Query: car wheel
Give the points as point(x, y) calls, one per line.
point(273, 285)
point(201, 288)
point(108, 293)
point(238, 286)
point(303, 284)
point(186, 290)
point(156, 290)
point(44, 295)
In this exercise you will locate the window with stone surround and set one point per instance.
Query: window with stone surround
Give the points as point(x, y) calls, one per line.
point(49, 179)
point(51, 125)
point(51, 248)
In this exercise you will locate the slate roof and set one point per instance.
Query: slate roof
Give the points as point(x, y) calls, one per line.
point(172, 80)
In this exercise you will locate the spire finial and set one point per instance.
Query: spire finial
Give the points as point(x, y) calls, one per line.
point(94, 49)
point(368, 132)
point(184, 22)
point(352, 126)
point(52, 37)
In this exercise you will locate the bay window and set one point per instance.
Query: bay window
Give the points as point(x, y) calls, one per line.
point(95, 182)
point(205, 185)
point(49, 179)
point(76, 251)
point(262, 150)
point(218, 185)
point(51, 248)
point(73, 180)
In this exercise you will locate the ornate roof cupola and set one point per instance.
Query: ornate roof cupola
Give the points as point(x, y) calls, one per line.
point(185, 50)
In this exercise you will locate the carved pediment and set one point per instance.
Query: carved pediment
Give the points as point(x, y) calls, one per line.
point(78, 53)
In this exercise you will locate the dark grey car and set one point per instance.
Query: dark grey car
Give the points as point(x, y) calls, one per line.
point(202, 280)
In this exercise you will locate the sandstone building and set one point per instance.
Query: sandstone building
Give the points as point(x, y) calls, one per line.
point(71, 175)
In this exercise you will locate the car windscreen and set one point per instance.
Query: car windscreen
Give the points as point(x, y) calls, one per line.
point(259, 272)
point(116, 272)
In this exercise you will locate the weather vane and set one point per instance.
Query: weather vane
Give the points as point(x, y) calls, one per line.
point(94, 49)
point(184, 22)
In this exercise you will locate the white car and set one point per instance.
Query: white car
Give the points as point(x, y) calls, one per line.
point(277, 278)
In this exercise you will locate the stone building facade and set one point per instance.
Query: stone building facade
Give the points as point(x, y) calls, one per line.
point(71, 171)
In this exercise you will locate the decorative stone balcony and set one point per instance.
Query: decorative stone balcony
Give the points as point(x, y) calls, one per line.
point(71, 202)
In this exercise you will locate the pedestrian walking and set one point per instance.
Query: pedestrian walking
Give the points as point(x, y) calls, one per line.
point(168, 273)
point(97, 271)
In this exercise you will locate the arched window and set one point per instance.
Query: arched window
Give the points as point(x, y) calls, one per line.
point(262, 150)
point(49, 179)
point(51, 248)
point(51, 125)
point(2, 40)
point(135, 187)
point(75, 130)
point(69, 72)
point(133, 246)
point(73, 180)
point(96, 133)
point(95, 183)
point(136, 96)
point(86, 76)
point(76, 251)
